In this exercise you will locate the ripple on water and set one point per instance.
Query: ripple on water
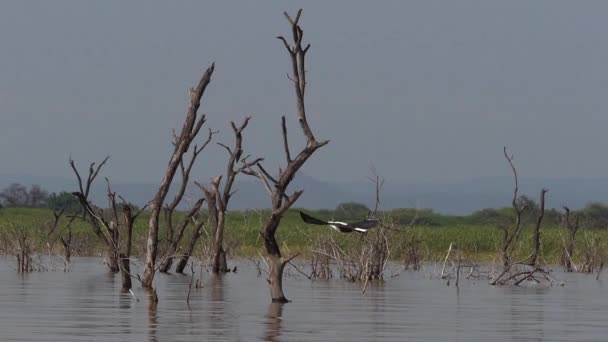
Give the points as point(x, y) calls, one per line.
point(86, 305)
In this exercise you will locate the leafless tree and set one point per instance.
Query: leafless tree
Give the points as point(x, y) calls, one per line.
point(218, 200)
point(378, 183)
point(571, 227)
point(91, 214)
point(536, 238)
point(21, 239)
point(511, 232)
point(108, 225)
point(65, 234)
point(189, 250)
point(175, 233)
point(277, 187)
point(192, 125)
point(533, 270)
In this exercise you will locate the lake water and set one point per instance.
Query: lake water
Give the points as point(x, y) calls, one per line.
point(86, 305)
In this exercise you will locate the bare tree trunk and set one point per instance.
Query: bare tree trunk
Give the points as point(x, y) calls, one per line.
point(125, 259)
point(125, 272)
point(182, 143)
point(113, 260)
point(277, 188)
point(167, 262)
point(219, 255)
point(183, 261)
point(68, 253)
point(217, 201)
point(536, 237)
point(511, 233)
point(569, 245)
point(275, 279)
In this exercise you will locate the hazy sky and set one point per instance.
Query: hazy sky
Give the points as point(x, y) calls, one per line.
point(427, 91)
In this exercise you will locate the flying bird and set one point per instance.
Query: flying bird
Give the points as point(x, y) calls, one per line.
point(360, 227)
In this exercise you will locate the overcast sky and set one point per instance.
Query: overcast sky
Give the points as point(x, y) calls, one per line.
point(427, 91)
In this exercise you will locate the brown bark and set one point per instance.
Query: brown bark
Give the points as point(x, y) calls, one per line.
point(125, 267)
point(218, 200)
point(176, 233)
point(189, 131)
point(66, 241)
point(173, 247)
point(281, 201)
point(219, 255)
point(537, 230)
point(275, 279)
point(570, 243)
point(183, 261)
point(511, 233)
point(125, 273)
point(103, 230)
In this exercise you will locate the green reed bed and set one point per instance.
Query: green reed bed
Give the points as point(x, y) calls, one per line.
point(478, 242)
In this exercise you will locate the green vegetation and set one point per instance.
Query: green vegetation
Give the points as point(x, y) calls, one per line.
point(476, 235)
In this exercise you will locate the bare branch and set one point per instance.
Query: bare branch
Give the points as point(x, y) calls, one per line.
point(266, 174)
point(226, 147)
point(251, 172)
point(285, 140)
point(73, 166)
point(286, 44)
point(288, 260)
point(192, 124)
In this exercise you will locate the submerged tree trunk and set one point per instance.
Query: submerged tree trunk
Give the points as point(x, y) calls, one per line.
point(536, 238)
point(275, 261)
point(570, 243)
point(219, 255)
point(189, 131)
point(113, 257)
point(183, 261)
point(277, 187)
point(166, 264)
point(125, 272)
point(170, 254)
point(219, 261)
point(275, 279)
point(151, 245)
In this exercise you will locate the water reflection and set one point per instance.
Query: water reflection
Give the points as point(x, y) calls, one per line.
point(217, 317)
point(526, 311)
point(86, 305)
point(274, 322)
point(152, 301)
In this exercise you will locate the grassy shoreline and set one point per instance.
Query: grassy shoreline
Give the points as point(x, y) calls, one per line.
point(477, 241)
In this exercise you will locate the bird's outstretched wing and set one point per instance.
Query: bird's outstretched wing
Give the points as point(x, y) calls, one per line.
point(364, 226)
point(311, 220)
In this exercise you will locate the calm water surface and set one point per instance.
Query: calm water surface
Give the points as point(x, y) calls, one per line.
point(86, 305)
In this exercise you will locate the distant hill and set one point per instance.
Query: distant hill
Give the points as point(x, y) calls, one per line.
point(457, 198)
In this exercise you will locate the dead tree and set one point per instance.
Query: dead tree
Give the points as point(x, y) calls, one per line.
point(218, 200)
point(511, 274)
point(104, 233)
point(536, 239)
point(176, 233)
point(66, 240)
point(511, 232)
point(190, 129)
point(187, 253)
point(21, 240)
point(277, 187)
point(109, 224)
point(570, 241)
point(378, 183)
